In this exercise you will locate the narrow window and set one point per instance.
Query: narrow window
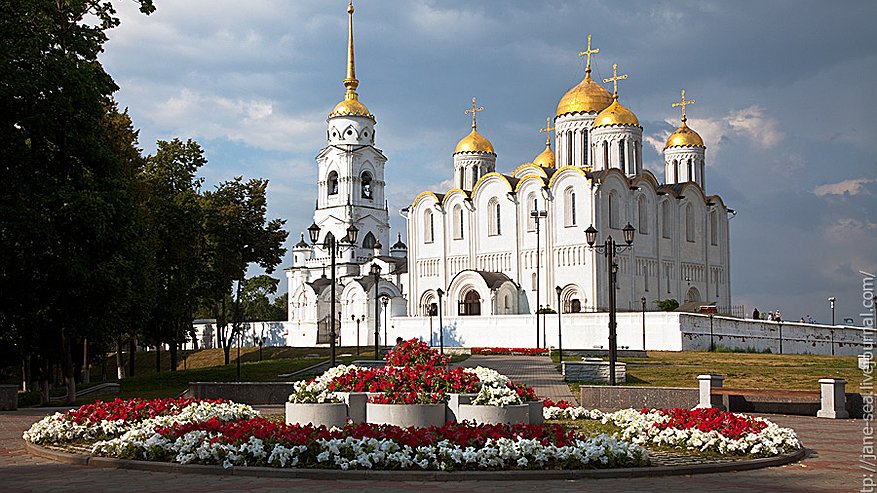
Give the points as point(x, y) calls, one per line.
point(569, 148)
point(569, 200)
point(605, 155)
point(332, 183)
point(690, 171)
point(493, 218)
point(689, 223)
point(366, 184)
point(622, 159)
point(643, 216)
point(369, 241)
point(458, 222)
point(667, 226)
point(585, 147)
point(531, 206)
point(675, 171)
point(428, 227)
point(498, 214)
point(714, 228)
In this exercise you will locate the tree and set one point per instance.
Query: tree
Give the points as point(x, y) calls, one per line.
point(255, 305)
point(176, 232)
point(68, 160)
point(237, 235)
point(667, 305)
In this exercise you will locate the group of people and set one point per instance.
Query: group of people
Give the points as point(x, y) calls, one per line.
point(775, 316)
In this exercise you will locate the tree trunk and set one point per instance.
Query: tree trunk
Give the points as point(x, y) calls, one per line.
point(222, 327)
point(86, 366)
point(173, 351)
point(67, 368)
point(25, 375)
point(158, 357)
point(132, 351)
point(120, 366)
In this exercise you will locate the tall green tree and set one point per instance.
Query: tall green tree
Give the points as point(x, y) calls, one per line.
point(68, 170)
point(177, 235)
point(238, 234)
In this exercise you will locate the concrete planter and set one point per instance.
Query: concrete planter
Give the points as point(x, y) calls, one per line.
point(405, 415)
point(327, 414)
point(493, 415)
point(535, 411)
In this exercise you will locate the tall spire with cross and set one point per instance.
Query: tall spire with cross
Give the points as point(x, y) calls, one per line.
point(683, 103)
point(350, 81)
point(614, 80)
point(587, 53)
point(474, 110)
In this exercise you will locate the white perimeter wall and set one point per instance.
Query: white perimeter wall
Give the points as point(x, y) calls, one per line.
point(665, 331)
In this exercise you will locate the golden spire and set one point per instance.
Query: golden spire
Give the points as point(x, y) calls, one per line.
point(683, 103)
point(475, 109)
point(350, 82)
point(614, 80)
point(548, 128)
point(588, 53)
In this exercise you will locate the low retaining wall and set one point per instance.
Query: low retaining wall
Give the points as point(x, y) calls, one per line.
point(8, 397)
point(593, 370)
point(615, 398)
point(253, 393)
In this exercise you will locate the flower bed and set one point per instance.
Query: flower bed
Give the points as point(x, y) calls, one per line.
point(517, 351)
point(704, 430)
point(260, 442)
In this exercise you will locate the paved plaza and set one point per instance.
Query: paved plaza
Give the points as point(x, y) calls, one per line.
point(832, 462)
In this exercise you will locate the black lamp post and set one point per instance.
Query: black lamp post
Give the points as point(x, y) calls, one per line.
point(376, 273)
point(384, 301)
point(441, 293)
point(558, 289)
point(537, 216)
point(354, 319)
point(609, 248)
point(643, 299)
point(314, 234)
point(831, 301)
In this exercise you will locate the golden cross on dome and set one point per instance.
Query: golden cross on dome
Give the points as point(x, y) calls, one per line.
point(475, 109)
point(588, 53)
point(614, 80)
point(548, 128)
point(683, 103)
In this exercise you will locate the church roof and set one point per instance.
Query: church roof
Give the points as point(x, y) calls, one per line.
point(493, 279)
point(399, 245)
point(320, 284)
point(674, 188)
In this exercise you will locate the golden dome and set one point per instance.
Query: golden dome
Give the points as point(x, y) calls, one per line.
point(350, 107)
point(616, 114)
point(474, 142)
point(546, 159)
point(684, 137)
point(586, 97)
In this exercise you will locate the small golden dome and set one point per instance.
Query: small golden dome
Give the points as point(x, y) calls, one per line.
point(616, 114)
point(546, 159)
point(586, 97)
point(684, 137)
point(350, 107)
point(474, 142)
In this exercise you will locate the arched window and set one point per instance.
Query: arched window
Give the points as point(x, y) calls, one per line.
point(531, 206)
point(494, 218)
point(605, 155)
point(689, 223)
point(569, 148)
point(642, 216)
point(675, 171)
point(328, 239)
point(585, 147)
point(470, 304)
point(428, 227)
point(332, 183)
point(614, 219)
point(458, 222)
point(366, 183)
point(569, 213)
point(714, 228)
point(636, 164)
point(690, 171)
point(622, 159)
point(369, 241)
point(533, 281)
point(666, 220)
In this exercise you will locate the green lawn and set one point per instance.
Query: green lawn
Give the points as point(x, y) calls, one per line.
point(743, 370)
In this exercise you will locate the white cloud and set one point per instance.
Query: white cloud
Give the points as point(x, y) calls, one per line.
point(753, 123)
point(846, 187)
point(254, 122)
point(750, 123)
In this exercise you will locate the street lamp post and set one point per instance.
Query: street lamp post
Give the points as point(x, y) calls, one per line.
point(384, 301)
point(609, 248)
point(643, 300)
point(558, 289)
point(441, 293)
point(314, 233)
point(831, 301)
point(354, 319)
point(376, 272)
point(538, 216)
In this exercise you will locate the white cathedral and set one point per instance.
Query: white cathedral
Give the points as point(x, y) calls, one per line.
point(478, 241)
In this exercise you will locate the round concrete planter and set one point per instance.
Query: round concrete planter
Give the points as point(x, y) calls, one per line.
point(494, 415)
point(405, 415)
point(327, 414)
point(535, 411)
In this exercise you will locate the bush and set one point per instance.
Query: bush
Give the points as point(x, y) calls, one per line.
point(667, 305)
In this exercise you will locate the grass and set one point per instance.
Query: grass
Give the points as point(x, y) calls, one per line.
point(741, 370)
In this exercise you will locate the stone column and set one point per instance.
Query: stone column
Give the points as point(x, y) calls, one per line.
point(833, 397)
point(706, 384)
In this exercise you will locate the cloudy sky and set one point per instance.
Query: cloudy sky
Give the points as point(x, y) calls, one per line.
point(785, 93)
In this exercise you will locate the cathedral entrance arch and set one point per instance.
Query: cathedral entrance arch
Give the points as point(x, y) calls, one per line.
point(470, 304)
point(693, 295)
